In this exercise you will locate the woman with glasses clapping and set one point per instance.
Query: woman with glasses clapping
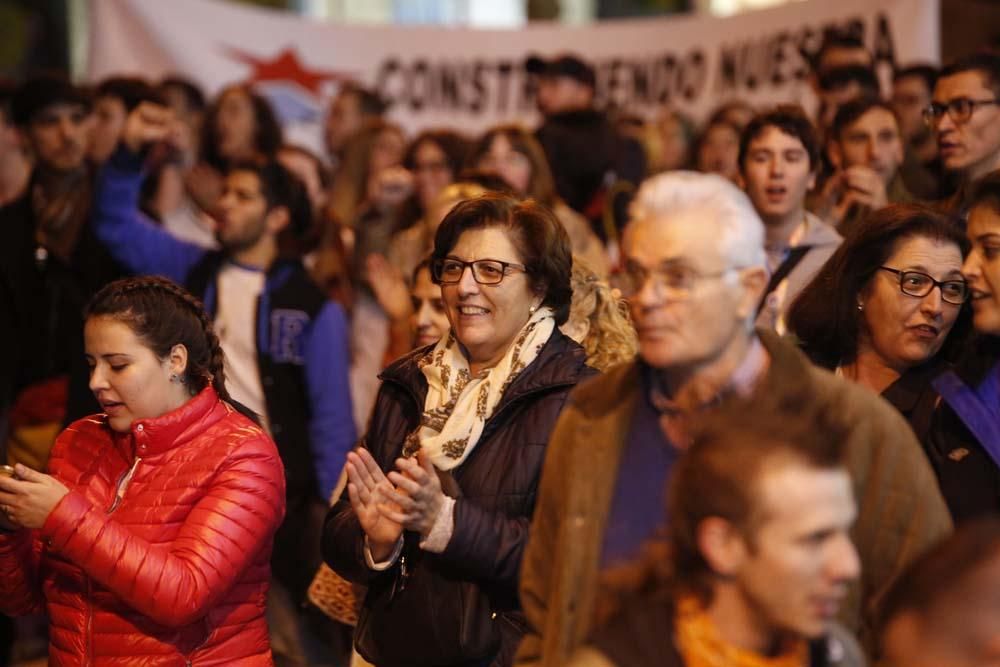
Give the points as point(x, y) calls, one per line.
point(885, 311)
point(441, 492)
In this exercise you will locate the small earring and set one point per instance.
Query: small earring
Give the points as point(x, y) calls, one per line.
point(173, 377)
point(861, 306)
point(531, 311)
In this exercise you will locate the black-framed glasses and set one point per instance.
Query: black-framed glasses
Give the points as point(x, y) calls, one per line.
point(959, 109)
point(677, 282)
point(919, 284)
point(449, 270)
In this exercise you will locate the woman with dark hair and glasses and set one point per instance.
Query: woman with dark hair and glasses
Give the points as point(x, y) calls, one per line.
point(966, 450)
point(441, 492)
point(886, 311)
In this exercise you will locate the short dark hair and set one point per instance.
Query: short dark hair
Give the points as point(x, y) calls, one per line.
point(130, 90)
point(943, 569)
point(825, 316)
point(539, 237)
point(837, 39)
point(267, 140)
point(851, 111)
point(791, 120)
point(369, 102)
point(987, 64)
point(280, 188)
point(43, 91)
point(836, 78)
point(986, 193)
point(193, 95)
point(925, 72)
point(720, 472)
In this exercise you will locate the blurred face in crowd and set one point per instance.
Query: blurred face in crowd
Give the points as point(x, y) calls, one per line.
point(792, 566)
point(511, 165)
point(59, 136)
point(982, 268)
point(343, 120)
point(904, 331)
point(126, 377)
point(430, 320)
point(675, 144)
point(431, 173)
point(242, 219)
point(10, 139)
point(689, 303)
point(874, 141)
point(910, 96)
point(109, 121)
point(190, 121)
point(387, 150)
point(777, 175)
point(236, 125)
point(556, 94)
point(487, 318)
point(957, 629)
point(973, 145)
point(719, 151)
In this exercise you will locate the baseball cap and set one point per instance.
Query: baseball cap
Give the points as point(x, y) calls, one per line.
point(566, 65)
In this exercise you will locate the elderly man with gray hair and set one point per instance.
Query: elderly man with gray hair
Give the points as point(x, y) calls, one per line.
point(695, 272)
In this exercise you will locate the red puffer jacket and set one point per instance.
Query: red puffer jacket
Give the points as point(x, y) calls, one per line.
point(159, 553)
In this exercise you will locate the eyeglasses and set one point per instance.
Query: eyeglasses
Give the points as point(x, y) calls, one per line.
point(916, 283)
point(675, 282)
point(449, 271)
point(959, 109)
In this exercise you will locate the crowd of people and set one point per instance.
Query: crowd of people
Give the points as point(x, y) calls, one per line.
point(609, 391)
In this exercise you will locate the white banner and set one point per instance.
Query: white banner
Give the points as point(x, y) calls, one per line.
point(471, 79)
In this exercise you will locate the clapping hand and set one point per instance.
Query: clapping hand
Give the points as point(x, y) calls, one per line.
point(418, 494)
point(27, 499)
point(369, 492)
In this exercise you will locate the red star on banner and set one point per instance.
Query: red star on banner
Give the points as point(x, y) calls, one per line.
point(286, 67)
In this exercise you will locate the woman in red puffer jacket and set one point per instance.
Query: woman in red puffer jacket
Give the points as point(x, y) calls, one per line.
point(148, 541)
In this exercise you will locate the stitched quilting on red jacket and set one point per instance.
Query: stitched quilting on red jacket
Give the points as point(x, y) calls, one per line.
point(159, 553)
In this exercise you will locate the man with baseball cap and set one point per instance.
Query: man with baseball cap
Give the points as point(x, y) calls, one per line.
point(588, 157)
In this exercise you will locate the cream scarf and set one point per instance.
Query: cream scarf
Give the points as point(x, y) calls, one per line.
point(458, 405)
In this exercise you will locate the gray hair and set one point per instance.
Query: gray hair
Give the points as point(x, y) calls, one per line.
point(741, 232)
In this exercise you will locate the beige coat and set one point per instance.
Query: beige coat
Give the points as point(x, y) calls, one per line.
point(901, 511)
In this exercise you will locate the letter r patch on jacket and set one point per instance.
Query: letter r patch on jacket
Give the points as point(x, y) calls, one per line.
point(287, 339)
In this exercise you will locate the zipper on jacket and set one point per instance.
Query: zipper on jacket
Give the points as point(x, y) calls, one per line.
point(122, 485)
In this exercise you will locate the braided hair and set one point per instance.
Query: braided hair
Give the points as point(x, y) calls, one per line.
point(163, 314)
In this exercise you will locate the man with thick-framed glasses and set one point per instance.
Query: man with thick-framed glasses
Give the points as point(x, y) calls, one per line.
point(695, 271)
point(965, 117)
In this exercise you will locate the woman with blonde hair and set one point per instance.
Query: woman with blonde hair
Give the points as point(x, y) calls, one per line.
point(599, 320)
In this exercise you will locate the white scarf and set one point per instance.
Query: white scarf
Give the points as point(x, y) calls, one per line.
point(458, 405)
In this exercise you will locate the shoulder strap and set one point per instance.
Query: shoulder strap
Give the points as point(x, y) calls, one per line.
point(976, 416)
point(795, 256)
